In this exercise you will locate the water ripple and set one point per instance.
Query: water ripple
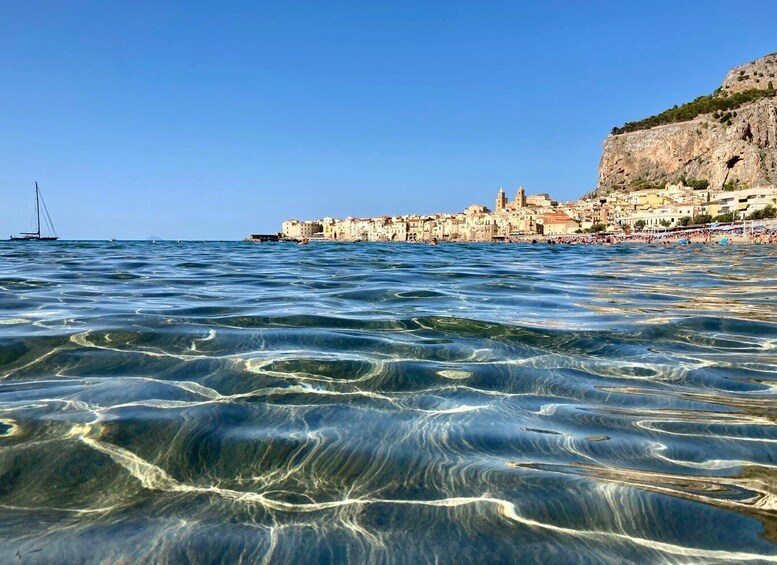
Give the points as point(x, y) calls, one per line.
point(387, 403)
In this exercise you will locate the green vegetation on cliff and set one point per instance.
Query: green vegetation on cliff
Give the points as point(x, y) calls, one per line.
point(715, 102)
point(696, 184)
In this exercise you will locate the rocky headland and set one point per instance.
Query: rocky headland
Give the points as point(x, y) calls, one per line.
point(725, 139)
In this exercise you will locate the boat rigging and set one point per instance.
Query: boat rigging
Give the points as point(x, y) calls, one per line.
point(36, 235)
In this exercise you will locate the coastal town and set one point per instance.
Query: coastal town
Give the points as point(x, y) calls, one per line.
point(708, 164)
point(686, 203)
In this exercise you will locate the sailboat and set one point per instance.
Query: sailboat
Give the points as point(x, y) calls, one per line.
point(36, 236)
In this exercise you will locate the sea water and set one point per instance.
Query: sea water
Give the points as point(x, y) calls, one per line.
point(390, 403)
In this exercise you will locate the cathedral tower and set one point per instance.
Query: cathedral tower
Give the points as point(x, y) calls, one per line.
point(520, 198)
point(501, 200)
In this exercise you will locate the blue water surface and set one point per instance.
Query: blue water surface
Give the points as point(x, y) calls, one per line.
point(387, 403)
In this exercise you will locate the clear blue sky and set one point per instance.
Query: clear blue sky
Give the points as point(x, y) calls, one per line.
point(216, 119)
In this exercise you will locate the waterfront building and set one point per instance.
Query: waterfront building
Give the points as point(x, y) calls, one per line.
point(328, 228)
point(480, 227)
point(525, 216)
point(669, 216)
point(556, 223)
point(294, 229)
point(743, 202)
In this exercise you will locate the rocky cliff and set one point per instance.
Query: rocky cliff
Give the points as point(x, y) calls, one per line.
point(755, 74)
point(735, 145)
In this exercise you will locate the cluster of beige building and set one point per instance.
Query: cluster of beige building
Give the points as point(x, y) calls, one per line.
point(527, 216)
point(667, 207)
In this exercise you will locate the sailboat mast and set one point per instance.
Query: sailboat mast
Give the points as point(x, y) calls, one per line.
point(37, 206)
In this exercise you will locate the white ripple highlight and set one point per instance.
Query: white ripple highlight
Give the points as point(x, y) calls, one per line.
point(155, 478)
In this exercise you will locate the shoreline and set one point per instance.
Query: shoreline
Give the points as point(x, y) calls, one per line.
point(579, 239)
point(737, 234)
point(733, 240)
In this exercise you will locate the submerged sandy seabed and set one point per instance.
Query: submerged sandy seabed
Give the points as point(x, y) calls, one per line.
point(387, 404)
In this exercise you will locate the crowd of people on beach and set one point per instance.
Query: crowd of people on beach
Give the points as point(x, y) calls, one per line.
point(720, 235)
point(715, 235)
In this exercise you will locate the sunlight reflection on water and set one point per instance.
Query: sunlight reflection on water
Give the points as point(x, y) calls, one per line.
point(390, 403)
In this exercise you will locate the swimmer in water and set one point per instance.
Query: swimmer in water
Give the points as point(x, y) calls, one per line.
point(433, 242)
point(304, 241)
